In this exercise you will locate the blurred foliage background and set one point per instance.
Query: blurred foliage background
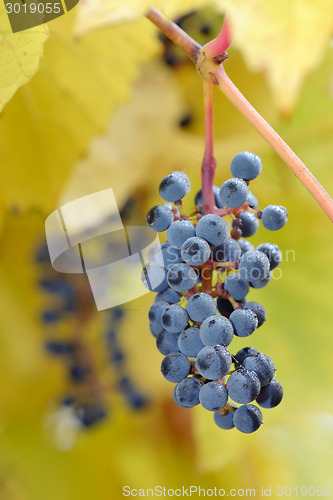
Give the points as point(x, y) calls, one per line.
point(115, 106)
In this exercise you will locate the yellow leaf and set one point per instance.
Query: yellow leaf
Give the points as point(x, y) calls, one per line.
point(19, 56)
point(95, 14)
point(286, 40)
point(123, 156)
point(49, 122)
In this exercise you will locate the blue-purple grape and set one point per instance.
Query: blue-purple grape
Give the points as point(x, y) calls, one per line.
point(213, 362)
point(258, 310)
point(272, 252)
point(174, 186)
point(229, 251)
point(216, 330)
point(189, 342)
point(274, 217)
point(225, 419)
point(169, 295)
point(159, 218)
point(180, 231)
point(212, 228)
point(236, 286)
point(254, 266)
point(233, 193)
point(270, 395)
point(187, 391)
point(246, 165)
point(247, 418)
point(195, 251)
point(262, 365)
point(243, 386)
point(181, 277)
point(247, 222)
point(167, 342)
point(200, 306)
point(174, 318)
point(175, 367)
point(213, 396)
point(244, 322)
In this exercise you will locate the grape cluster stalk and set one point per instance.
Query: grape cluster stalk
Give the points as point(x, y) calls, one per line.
point(202, 275)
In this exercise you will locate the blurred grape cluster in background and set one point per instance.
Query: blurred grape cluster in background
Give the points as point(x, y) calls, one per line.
point(84, 409)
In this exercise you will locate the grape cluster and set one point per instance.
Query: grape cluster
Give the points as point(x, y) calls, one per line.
point(202, 276)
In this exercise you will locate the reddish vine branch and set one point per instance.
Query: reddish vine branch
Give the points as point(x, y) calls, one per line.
point(216, 74)
point(209, 162)
point(175, 33)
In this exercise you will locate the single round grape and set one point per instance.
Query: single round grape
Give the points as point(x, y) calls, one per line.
point(213, 396)
point(198, 200)
point(187, 391)
point(236, 286)
point(229, 251)
point(212, 228)
point(258, 310)
point(181, 277)
point(252, 201)
point(155, 329)
point(174, 186)
point(272, 252)
point(175, 367)
point(169, 295)
point(244, 353)
point(159, 218)
point(245, 245)
point(254, 266)
point(247, 418)
point(247, 222)
point(180, 231)
point(262, 365)
point(261, 283)
point(174, 318)
point(216, 330)
point(176, 399)
point(154, 277)
point(200, 306)
point(270, 395)
point(167, 342)
point(225, 419)
point(224, 307)
point(233, 193)
point(244, 322)
point(155, 313)
point(189, 342)
point(246, 165)
point(213, 362)
point(185, 179)
point(195, 251)
point(243, 386)
point(274, 217)
point(166, 255)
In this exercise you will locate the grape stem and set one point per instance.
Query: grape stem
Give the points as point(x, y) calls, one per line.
point(209, 162)
point(175, 33)
point(210, 69)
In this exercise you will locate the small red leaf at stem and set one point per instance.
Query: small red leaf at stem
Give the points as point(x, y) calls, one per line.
point(221, 43)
